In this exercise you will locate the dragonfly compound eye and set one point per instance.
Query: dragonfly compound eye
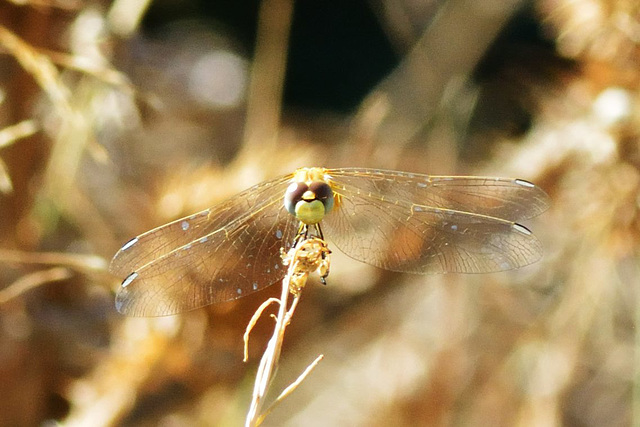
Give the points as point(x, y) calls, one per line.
point(324, 193)
point(294, 194)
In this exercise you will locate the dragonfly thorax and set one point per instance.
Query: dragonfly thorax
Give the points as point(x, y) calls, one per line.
point(309, 202)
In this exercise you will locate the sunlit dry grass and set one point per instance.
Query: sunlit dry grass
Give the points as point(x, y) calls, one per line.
point(91, 155)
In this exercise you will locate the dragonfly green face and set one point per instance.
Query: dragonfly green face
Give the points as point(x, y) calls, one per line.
point(309, 201)
point(397, 221)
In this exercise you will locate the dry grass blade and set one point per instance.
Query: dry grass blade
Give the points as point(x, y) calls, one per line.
point(90, 67)
point(33, 280)
point(8, 136)
point(11, 134)
point(70, 5)
point(252, 323)
point(125, 16)
point(6, 186)
point(39, 66)
point(79, 262)
point(267, 77)
point(287, 391)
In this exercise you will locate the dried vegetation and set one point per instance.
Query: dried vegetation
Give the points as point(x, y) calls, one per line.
point(102, 137)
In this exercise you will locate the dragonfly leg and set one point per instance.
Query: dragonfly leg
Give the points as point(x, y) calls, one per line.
point(301, 235)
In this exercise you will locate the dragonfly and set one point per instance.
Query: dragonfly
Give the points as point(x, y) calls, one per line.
point(398, 221)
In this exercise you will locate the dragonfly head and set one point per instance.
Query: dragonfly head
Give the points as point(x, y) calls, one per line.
point(309, 202)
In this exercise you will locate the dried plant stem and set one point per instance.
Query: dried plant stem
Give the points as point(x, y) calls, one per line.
point(267, 366)
point(306, 257)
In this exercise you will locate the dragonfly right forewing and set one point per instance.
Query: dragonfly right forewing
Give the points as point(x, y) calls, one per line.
point(160, 241)
point(216, 255)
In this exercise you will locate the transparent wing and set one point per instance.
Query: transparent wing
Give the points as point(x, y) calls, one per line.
point(217, 255)
point(505, 198)
point(408, 228)
point(158, 242)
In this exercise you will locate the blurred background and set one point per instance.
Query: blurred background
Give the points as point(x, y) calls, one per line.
point(118, 117)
